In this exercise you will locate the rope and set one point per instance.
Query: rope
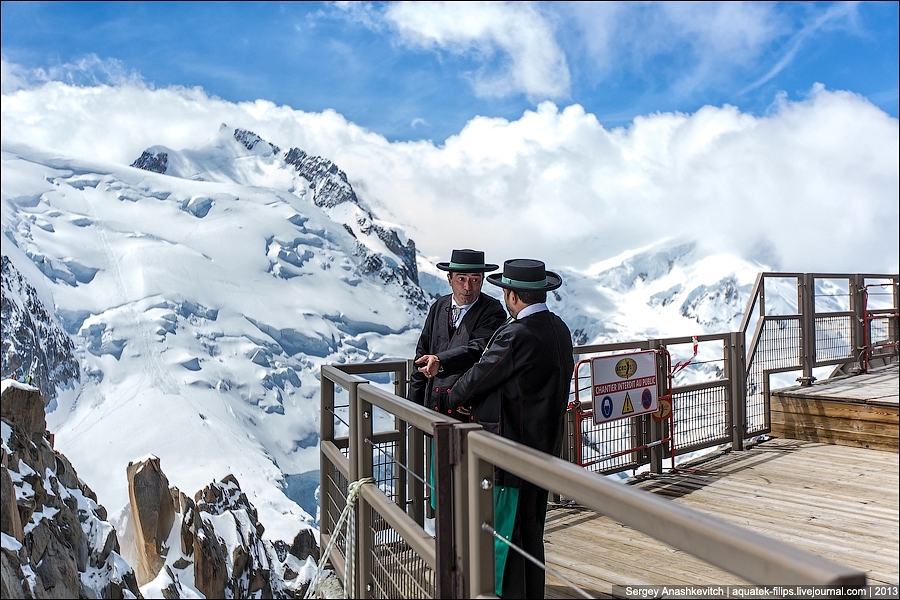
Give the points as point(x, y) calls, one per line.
point(349, 511)
point(535, 561)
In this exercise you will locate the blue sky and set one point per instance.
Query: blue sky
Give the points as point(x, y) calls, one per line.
point(421, 71)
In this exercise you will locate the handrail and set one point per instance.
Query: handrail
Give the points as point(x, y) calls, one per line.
point(465, 457)
point(751, 556)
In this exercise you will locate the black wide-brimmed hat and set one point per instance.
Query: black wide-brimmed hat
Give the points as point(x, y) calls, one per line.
point(526, 275)
point(467, 261)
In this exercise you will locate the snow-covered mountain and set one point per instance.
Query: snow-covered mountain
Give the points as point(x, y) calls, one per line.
point(203, 288)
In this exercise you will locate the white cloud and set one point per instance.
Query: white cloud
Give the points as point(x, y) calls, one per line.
point(533, 63)
point(88, 70)
point(812, 186)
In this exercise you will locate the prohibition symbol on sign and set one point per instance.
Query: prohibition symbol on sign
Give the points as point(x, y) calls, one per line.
point(664, 411)
point(624, 386)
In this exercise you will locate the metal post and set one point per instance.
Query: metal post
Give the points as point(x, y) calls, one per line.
point(364, 533)
point(567, 446)
point(416, 476)
point(806, 303)
point(857, 285)
point(658, 428)
point(481, 543)
point(461, 506)
point(736, 371)
point(326, 433)
point(400, 451)
point(415, 488)
point(443, 525)
point(894, 321)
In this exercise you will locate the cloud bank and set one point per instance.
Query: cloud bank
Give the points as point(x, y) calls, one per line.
point(811, 186)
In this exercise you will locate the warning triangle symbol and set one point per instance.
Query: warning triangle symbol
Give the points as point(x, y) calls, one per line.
point(627, 407)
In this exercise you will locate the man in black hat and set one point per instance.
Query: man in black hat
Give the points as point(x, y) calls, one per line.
point(519, 389)
point(456, 329)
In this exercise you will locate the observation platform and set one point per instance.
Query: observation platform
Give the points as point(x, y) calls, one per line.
point(854, 410)
point(835, 500)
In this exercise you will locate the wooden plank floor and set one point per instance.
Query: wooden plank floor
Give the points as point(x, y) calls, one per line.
point(856, 410)
point(839, 502)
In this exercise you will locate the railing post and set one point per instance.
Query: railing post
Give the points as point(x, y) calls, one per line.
point(364, 468)
point(857, 286)
point(895, 321)
point(658, 428)
point(415, 486)
point(481, 543)
point(567, 450)
point(401, 478)
point(326, 433)
point(460, 441)
point(806, 301)
point(443, 522)
point(736, 371)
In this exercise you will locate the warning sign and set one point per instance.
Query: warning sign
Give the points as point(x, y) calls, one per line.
point(624, 386)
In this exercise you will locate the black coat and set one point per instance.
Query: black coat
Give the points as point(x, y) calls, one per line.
point(456, 350)
point(520, 387)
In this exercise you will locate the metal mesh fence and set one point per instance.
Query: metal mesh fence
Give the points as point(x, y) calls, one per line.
point(397, 570)
point(778, 347)
point(600, 444)
point(833, 335)
point(701, 417)
point(880, 331)
point(333, 504)
point(384, 468)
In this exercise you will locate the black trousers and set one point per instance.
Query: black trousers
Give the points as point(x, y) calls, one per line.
point(521, 578)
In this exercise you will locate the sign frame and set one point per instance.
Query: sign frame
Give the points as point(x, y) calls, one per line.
point(624, 385)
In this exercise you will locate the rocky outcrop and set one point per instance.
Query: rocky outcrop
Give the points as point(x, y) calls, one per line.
point(34, 346)
point(156, 162)
point(250, 140)
point(57, 542)
point(153, 512)
point(330, 189)
point(221, 553)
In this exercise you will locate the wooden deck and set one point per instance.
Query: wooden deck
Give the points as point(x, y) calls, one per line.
point(841, 411)
point(840, 502)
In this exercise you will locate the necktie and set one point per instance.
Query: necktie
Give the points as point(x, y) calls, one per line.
point(454, 316)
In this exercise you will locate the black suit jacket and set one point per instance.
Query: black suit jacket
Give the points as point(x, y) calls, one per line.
point(520, 387)
point(456, 350)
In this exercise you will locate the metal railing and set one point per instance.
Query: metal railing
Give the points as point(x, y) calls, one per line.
point(798, 322)
point(795, 322)
point(388, 553)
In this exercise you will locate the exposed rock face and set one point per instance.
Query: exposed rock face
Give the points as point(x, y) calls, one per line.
point(157, 162)
point(222, 553)
point(250, 140)
point(33, 344)
point(331, 188)
point(153, 513)
point(57, 542)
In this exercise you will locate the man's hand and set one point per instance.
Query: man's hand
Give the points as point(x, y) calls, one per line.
point(429, 365)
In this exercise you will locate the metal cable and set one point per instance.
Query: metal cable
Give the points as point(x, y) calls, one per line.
point(535, 561)
point(352, 494)
point(398, 463)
